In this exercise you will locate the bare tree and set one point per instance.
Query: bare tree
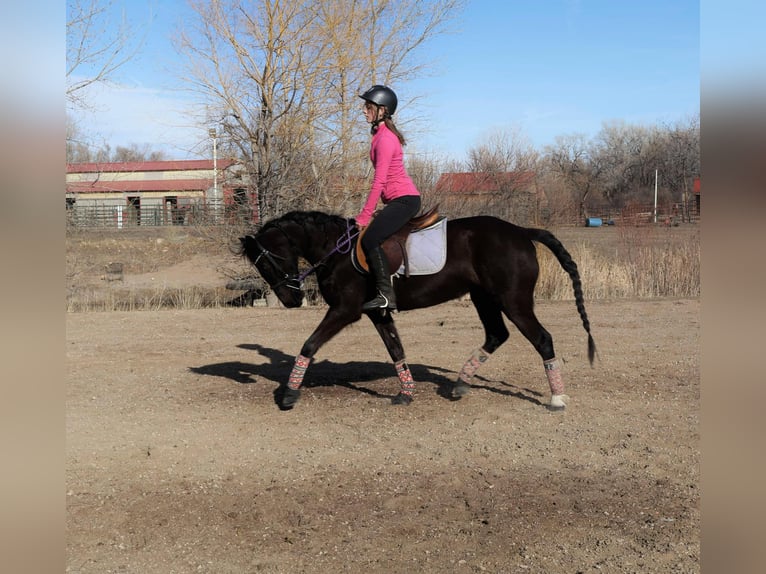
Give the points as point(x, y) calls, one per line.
point(94, 51)
point(628, 156)
point(425, 171)
point(680, 160)
point(575, 161)
point(281, 78)
point(136, 153)
point(508, 161)
point(503, 151)
point(79, 150)
point(247, 59)
point(620, 164)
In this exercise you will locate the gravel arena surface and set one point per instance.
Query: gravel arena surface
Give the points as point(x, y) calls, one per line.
point(179, 460)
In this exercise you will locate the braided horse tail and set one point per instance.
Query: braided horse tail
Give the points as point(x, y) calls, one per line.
point(566, 261)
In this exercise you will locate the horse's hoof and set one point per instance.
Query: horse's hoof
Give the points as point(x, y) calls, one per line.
point(289, 398)
point(460, 389)
point(401, 399)
point(558, 403)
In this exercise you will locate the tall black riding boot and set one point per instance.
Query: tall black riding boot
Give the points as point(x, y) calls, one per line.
point(385, 299)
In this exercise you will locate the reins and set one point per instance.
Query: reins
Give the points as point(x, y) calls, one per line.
point(342, 246)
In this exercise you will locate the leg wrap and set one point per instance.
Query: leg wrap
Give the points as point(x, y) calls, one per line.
point(405, 378)
point(477, 358)
point(553, 373)
point(299, 370)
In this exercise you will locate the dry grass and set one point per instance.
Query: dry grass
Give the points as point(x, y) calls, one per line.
point(147, 299)
point(91, 254)
point(614, 263)
point(639, 262)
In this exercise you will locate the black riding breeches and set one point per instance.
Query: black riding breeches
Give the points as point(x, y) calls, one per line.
point(389, 220)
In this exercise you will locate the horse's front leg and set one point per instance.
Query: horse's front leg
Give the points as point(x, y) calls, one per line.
point(333, 322)
point(386, 327)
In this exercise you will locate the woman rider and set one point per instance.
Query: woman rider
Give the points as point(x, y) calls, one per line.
point(391, 184)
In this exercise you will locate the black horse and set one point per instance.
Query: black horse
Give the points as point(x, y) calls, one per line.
point(493, 260)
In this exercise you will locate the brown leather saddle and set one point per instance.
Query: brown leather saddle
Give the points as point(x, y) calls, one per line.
point(395, 246)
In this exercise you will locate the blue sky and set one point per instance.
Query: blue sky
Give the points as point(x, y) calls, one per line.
point(543, 68)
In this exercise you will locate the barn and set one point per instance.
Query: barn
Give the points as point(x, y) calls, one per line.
point(152, 193)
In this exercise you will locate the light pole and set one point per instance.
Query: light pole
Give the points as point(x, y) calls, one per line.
point(213, 133)
point(656, 176)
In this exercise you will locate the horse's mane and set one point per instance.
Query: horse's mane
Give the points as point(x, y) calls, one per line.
point(306, 218)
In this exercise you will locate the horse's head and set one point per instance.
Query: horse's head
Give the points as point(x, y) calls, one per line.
point(273, 255)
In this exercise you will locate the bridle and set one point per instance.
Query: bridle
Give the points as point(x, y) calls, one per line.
point(271, 258)
point(342, 246)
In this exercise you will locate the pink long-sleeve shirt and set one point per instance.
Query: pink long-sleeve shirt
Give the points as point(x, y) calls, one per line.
point(391, 179)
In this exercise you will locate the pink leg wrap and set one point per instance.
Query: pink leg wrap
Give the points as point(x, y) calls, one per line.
point(553, 373)
point(405, 377)
point(299, 370)
point(477, 358)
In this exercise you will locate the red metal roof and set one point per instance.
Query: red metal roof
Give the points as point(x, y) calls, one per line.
point(101, 186)
point(137, 166)
point(478, 182)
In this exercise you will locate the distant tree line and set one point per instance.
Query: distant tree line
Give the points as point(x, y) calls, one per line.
point(80, 150)
point(577, 175)
point(278, 82)
point(619, 165)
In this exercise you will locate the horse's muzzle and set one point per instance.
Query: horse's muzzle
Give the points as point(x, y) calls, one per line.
point(290, 298)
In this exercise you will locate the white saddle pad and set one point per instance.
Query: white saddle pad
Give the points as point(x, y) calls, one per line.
point(427, 249)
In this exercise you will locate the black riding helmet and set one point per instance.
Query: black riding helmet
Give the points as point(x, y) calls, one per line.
point(381, 96)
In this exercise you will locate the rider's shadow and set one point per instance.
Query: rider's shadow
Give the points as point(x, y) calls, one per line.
point(329, 373)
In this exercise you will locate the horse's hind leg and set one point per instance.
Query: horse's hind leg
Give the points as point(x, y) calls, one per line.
point(384, 323)
point(523, 316)
point(495, 334)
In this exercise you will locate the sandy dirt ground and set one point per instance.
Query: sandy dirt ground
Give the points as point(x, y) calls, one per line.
point(179, 460)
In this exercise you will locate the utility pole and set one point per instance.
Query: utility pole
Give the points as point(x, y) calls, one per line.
point(213, 133)
point(656, 173)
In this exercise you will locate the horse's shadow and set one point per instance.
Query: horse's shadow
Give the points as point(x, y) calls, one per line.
point(348, 375)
